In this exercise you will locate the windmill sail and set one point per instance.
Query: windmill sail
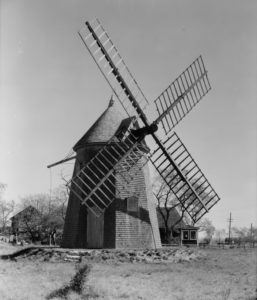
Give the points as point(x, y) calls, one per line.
point(193, 190)
point(172, 105)
point(182, 95)
point(94, 184)
point(113, 68)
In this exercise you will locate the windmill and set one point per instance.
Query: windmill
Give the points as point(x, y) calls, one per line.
point(126, 153)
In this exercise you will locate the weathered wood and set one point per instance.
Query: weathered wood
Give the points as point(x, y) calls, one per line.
point(95, 230)
point(61, 161)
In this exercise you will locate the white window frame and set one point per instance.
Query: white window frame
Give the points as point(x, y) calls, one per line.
point(194, 239)
point(183, 237)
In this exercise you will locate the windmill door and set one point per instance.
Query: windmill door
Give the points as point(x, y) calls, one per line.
point(95, 230)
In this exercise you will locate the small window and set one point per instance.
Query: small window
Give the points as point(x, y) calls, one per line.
point(132, 204)
point(185, 235)
point(193, 235)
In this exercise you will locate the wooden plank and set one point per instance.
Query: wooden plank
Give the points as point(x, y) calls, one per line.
point(95, 230)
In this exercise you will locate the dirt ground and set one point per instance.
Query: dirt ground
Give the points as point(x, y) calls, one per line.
point(214, 274)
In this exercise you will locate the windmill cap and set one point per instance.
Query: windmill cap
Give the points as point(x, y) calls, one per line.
point(104, 127)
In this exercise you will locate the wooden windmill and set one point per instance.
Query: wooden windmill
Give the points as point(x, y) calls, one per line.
point(108, 176)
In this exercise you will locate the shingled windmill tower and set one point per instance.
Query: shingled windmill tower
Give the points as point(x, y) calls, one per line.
point(130, 221)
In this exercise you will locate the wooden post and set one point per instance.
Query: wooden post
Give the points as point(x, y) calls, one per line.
point(229, 229)
point(252, 237)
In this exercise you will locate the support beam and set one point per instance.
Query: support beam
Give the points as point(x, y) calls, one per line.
point(61, 161)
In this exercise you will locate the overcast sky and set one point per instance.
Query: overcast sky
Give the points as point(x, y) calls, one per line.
point(52, 91)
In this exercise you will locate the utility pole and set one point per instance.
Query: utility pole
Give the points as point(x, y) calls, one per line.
point(251, 232)
point(229, 228)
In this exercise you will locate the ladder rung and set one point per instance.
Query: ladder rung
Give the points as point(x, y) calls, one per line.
point(99, 208)
point(176, 149)
point(96, 51)
point(115, 54)
point(103, 56)
point(110, 49)
point(83, 182)
point(101, 35)
point(190, 178)
point(111, 70)
point(92, 44)
point(107, 64)
point(121, 70)
point(176, 158)
point(87, 36)
point(188, 171)
point(94, 183)
point(106, 180)
point(79, 187)
point(101, 200)
point(97, 27)
point(187, 165)
point(108, 39)
point(116, 64)
point(203, 190)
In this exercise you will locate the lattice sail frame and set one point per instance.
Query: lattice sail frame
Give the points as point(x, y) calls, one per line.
point(182, 95)
point(116, 162)
point(195, 206)
point(172, 105)
point(108, 59)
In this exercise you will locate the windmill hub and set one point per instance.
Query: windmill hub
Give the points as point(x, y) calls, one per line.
point(142, 132)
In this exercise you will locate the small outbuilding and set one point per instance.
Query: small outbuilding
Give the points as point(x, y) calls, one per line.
point(188, 235)
point(183, 234)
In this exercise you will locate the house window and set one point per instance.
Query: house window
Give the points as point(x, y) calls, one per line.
point(185, 235)
point(193, 235)
point(132, 204)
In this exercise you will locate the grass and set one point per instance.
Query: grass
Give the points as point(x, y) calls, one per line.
point(222, 274)
point(75, 285)
point(25, 280)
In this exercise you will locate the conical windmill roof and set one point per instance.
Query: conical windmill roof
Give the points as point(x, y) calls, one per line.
point(103, 128)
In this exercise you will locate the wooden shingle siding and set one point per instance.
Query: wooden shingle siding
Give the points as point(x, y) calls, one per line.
point(121, 228)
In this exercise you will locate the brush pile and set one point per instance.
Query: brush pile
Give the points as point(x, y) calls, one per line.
point(49, 254)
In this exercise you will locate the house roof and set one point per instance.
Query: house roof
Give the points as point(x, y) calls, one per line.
point(186, 226)
point(104, 127)
point(173, 217)
point(29, 208)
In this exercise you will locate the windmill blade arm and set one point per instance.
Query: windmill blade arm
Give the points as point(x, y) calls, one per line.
point(182, 95)
point(183, 177)
point(114, 69)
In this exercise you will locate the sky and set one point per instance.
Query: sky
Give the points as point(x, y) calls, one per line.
point(51, 91)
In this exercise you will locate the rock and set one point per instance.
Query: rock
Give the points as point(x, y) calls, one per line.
point(72, 258)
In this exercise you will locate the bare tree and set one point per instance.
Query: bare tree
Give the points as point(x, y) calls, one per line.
point(6, 208)
point(245, 234)
point(60, 198)
point(27, 223)
point(168, 202)
point(31, 219)
point(206, 226)
point(220, 235)
point(48, 213)
point(39, 201)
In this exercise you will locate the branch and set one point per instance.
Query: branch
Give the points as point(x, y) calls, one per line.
point(178, 220)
